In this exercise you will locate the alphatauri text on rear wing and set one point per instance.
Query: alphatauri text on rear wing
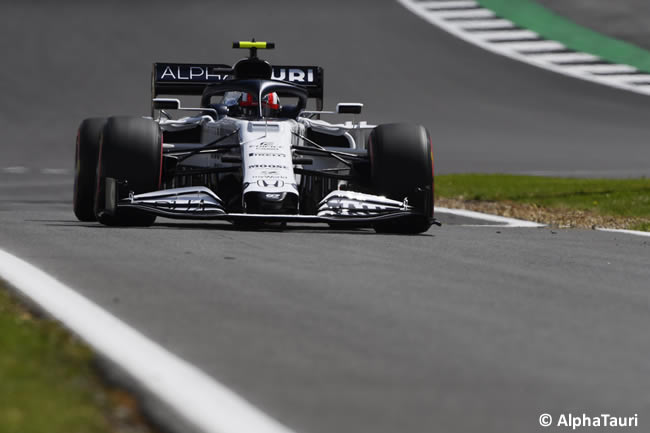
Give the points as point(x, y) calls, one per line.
point(192, 78)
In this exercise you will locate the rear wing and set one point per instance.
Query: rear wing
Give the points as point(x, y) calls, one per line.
point(191, 79)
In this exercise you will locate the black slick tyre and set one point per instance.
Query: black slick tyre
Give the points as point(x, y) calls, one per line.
point(131, 153)
point(401, 165)
point(85, 168)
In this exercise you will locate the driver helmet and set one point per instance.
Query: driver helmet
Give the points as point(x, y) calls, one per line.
point(247, 100)
point(248, 103)
point(271, 102)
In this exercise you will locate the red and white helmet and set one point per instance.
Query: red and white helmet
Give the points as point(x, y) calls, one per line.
point(247, 100)
point(271, 101)
point(270, 105)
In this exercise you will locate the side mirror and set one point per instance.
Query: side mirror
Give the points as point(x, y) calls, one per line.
point(349, 108)
point(221, 109)
point(166, 104)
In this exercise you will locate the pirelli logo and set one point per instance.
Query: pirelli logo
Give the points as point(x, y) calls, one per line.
point(278, 166)
point(270, 155)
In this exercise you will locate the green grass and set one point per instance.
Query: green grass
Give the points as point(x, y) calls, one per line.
point(47, 383)
point(532, 15)
point(607, 197)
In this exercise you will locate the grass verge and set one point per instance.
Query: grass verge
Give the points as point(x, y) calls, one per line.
point(563, 202)
point(48, 382)
point(532, 15)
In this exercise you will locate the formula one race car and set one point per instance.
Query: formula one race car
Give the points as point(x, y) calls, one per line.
point(245, 158)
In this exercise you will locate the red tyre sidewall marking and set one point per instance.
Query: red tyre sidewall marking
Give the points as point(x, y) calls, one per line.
point(99, 165)
point(161, 159)
point(77, 168)
point(432, 176)
point(370, 155)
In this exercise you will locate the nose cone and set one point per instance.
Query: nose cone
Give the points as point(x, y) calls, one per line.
point(275, 203)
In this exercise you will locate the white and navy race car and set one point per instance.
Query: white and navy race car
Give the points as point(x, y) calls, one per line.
point(252, 152)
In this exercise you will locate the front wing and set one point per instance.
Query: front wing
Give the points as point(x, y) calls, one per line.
point(201, 203)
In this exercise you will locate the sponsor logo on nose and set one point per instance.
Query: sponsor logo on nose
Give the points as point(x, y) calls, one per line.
point(269, 183)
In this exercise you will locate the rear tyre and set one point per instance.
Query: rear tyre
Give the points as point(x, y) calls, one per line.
point(131, 153)
point(85, 168)
point(401, 165)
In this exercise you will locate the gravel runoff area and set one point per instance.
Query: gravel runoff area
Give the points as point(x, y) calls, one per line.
point(555, 217)
point(621, 19)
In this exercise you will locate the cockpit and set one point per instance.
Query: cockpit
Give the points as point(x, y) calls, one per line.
point(242, 104)
point(241, 99)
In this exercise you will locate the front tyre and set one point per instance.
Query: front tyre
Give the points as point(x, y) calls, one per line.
point(131, 153)
point(85, 168)
point(401, 165)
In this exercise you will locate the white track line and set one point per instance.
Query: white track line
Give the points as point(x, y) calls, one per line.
point(192, 395)
point(565, 57)
point(466, 14)
point(15, 170)
point(56, 171)
point(602, 69)
point(452, 4)
point(506, 35)
point(528, 45)
point(636, 78)
point(463, 21)
point(509, 222)
point(485, 25)
point(642, 80)
point(516, 223)
point(627, 232)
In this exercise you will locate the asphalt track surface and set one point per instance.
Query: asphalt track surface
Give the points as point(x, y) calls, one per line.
point(463, 329)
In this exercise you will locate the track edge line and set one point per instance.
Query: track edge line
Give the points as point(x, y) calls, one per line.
point(627, 232)
point(186, 399)
point(510, 222)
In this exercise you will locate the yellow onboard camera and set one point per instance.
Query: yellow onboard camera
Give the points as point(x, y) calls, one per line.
point(253, 46)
